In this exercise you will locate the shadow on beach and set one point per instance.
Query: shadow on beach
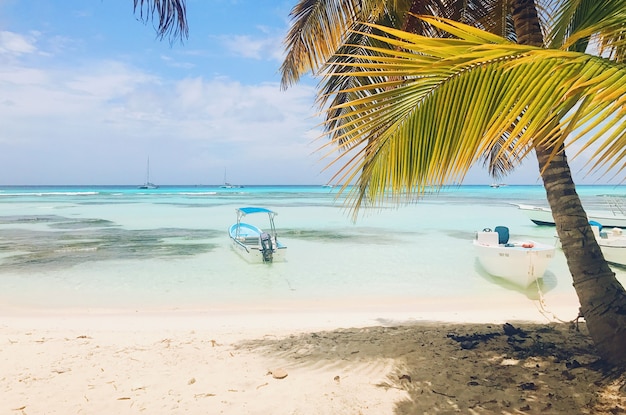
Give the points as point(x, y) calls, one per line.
point(461, 368)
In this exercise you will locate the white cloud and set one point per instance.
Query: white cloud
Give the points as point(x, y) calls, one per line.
point(16, 44)
point(261, 48)
point(192, 125)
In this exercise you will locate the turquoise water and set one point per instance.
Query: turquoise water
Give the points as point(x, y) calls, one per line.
point(119, 246)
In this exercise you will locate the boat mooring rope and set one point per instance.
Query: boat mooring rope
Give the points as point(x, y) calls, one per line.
point(542, 308)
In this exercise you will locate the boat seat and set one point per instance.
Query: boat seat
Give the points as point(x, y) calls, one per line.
point(488, 238)
point(503, 234)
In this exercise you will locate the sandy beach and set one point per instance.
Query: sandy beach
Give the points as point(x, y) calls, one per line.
point(300, 362)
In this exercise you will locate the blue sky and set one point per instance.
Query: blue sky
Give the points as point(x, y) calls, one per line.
point(88, 94)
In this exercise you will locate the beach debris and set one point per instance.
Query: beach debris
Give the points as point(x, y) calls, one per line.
point(468, 345)
point(528, 386)
point(278, 373)
point(191, 381)
point(442, 394)
point(470, 341)
point(203, 395)
point(405, 377)
point(60, 370)
point(511, 330)
point(337, 378)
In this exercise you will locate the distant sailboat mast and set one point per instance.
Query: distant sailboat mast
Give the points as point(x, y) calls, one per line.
point(148, 184)
point(227, 185)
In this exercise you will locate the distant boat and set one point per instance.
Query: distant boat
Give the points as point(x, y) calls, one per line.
point(543, 216)
point(148, 184)
point(228, 185)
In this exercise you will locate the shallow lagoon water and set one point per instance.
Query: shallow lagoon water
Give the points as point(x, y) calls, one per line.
point(121, 247)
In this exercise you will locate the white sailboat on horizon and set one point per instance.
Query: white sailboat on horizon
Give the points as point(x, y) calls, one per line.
point(228, 185)
point(148, 184)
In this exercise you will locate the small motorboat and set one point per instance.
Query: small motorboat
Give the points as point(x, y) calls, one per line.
point(543, 216)
point(253, 243)
point(519, 262)
point(612, 243)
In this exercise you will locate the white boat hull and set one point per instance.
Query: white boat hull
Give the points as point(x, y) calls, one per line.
point(615, 254)
point(522, 263)
point(543, 216)
point(612, 244)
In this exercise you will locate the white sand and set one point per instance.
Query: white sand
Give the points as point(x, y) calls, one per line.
point(380, 359)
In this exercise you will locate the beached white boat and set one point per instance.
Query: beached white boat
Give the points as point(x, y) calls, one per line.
point(612, 243)
point(519, 262)
point(253, 243)
point(543, 216)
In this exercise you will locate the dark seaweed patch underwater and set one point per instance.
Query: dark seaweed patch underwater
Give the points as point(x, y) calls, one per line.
point(70, 242)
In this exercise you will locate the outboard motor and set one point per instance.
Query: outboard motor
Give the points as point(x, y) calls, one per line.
point(266, 247)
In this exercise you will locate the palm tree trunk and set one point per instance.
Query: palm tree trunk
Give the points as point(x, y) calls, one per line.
point(602, 297)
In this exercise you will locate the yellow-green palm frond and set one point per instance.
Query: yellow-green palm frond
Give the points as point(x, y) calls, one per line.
point(319, 28)
point(358, 45)
point(442, 105)
point(480, 12)
point(601, 22)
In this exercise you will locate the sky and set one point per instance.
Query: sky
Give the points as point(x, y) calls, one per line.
point(89, 94)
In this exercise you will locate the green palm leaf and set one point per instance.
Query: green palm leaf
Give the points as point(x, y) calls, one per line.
point(435, 107)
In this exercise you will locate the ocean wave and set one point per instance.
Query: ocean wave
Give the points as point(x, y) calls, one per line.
point(49, 194)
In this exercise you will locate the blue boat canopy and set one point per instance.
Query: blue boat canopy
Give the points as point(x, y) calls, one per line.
point(249, 210)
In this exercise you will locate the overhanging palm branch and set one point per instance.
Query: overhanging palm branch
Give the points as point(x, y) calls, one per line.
point(580, 21)
point(320, 27)
point(171, 16)
point(443, 104)
point(491, 15)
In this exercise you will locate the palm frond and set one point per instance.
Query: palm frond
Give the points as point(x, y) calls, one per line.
point(320, 27)
point(600, 22)
point(458, 101)
point(171, 14)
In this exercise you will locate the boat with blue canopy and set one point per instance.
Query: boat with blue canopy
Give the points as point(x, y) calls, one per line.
point(253, 243)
